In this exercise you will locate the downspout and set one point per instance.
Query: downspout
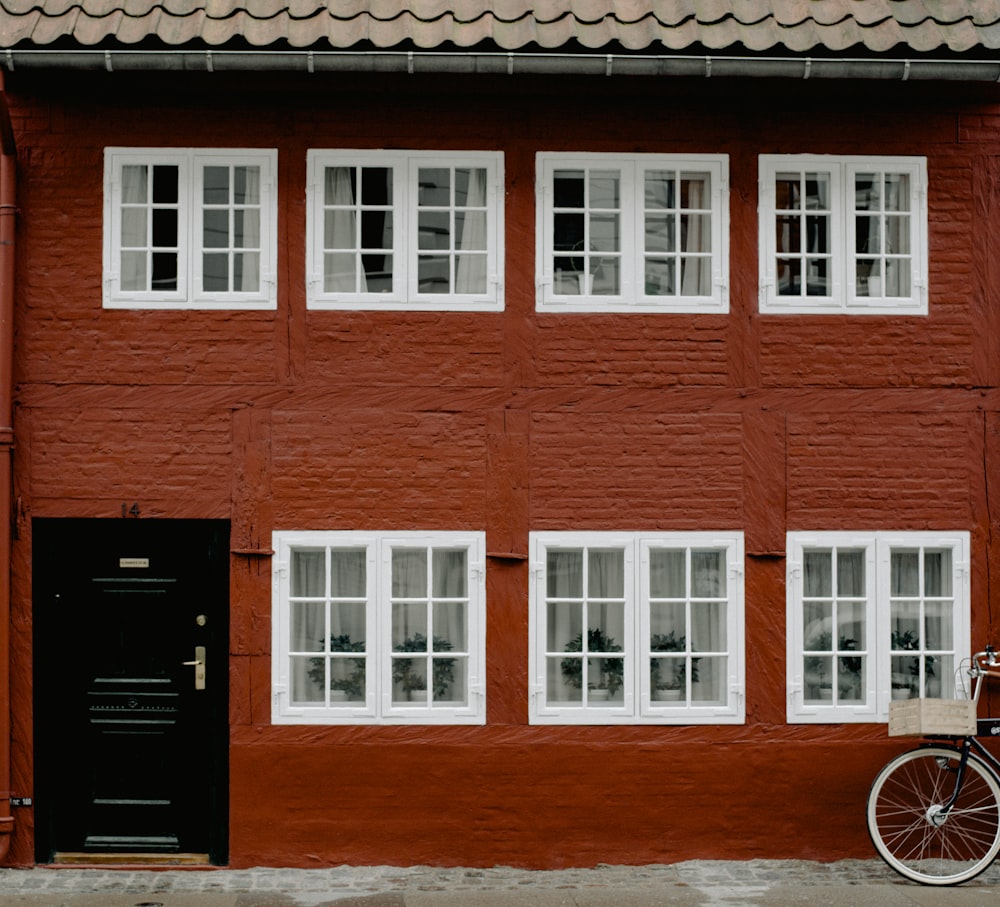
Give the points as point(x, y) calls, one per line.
point(8, 182)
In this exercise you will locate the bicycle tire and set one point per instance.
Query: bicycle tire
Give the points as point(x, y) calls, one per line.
point(905, 797)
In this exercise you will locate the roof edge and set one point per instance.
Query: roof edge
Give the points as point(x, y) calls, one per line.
point(510, 63)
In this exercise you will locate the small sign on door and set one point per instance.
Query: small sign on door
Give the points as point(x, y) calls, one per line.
point(136, 563)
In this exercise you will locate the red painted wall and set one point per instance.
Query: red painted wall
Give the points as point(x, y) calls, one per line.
point(348, 420)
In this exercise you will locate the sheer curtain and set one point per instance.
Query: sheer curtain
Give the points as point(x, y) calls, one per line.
point(246, 229)
point(341, 269)
point(471, 270)
point(696, 235)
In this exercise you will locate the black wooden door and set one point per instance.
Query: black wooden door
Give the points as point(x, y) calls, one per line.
point(131, 676)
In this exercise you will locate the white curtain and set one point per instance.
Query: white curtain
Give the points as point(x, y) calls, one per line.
point(471, 246)
point(246, 231)
point(343, 270)
point(696, 270)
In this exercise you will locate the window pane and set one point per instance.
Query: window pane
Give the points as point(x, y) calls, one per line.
point(604, 189)
point(939, 625)
point(133, 267)
point(216, 230)
point(307, 675)
point(164, 270)
point(470, 227)
point(604, 233)
point(696, 276)
point(409, 627)
point(667, 573)
point(568, 189)
point(135, 179)
point(660, 277)
point(308, 573)
point(564, 621)
point(434, 186)
point(450, 627)
point(434, 230)
point(246, 272)
point(568, 232)
point(339, 273)
point(708, 627)
point(605, 278)
point(817, 573)
point(470, 187)
point(378, 273)
point(450, 572)
point(606, 573)
point(433, 274)
point(409, 573)
point(215, 273)
point(165, 228)
point(660, 233)
point(471, 274)
point(851, 572)
point(133, 232)
point(308, 627)
point(564, 573)
point(216, 186)
point(376, 185)
point(246, 185)
point(897, 192)
point(905, 573)
point(348, 572)
point(166, 178)
point(376, 229)
point(708, 577)
point(938, 572)
point(246, 229)
point(660, 189)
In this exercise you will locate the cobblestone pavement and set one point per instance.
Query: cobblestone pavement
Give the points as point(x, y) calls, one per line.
point(754, 882)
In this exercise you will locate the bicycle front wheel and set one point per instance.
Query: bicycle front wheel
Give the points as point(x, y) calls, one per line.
point(916, 832)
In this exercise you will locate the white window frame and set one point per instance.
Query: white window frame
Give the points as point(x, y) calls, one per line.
point(844, 297)
point(633, 297)
point(405, 294)
point(878, 548)
point(638, 705)
point(189, 293)
point(378, 706)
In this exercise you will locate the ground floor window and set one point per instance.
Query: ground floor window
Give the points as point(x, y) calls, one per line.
point(873, 617)
point(636, 628)
point(378, 628)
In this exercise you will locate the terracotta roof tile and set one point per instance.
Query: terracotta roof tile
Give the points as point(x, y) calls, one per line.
point(800, 26)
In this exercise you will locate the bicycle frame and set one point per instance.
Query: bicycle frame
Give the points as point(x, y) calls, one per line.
point(984, 665)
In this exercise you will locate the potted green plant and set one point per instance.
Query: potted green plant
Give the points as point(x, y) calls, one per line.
point(906, 683)
point(849, 676)
point(414, 683)
point(671, 683)
point(612, 676)
point(351, 687)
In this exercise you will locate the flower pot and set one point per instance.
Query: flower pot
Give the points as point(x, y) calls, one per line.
point(667, 694)
point(598, 695)
point(338, 695)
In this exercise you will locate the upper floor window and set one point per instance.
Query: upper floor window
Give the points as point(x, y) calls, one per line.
point(405, 230)
point(378, 628)
point(189, 228)
point(633, 233)
point(873, 617)
point(843, 234)
point(631, 628)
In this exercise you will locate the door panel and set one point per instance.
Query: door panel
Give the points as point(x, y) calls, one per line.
point(130, 746)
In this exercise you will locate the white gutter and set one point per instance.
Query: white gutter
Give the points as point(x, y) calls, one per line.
point(898, 69)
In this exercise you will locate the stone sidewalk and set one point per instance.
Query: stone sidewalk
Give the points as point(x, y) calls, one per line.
point(858, 883)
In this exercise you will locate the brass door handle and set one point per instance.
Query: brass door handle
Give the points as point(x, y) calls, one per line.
point(199, 667)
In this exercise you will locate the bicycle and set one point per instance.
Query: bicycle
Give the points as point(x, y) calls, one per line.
point(934, 811)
